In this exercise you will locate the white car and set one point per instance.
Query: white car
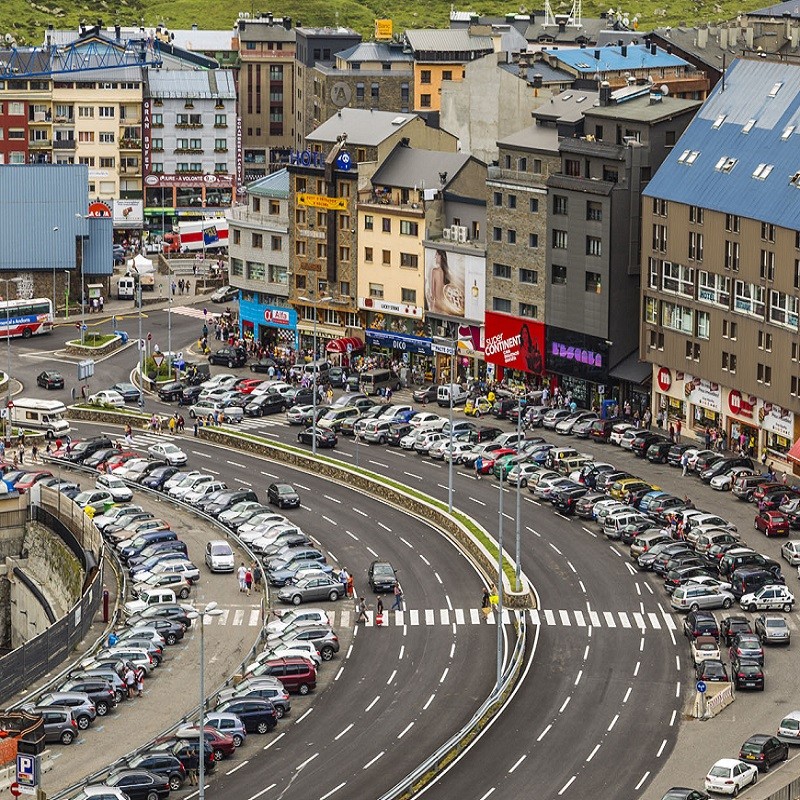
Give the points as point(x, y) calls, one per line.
point(176, 479)
point(426, 419)
point(168, 452)
point(708, 580)
point(220, 556)
point(730, 776)
point(395, 411)
point(178, 566)
point(132, 464)
point(189, 483)
point(791, 551)
point(768, 598)
point(291, 616)
point(116, 487)
point(617, 432)
point(203, 490)
point(723, 483)
point(216, 394)
point(102, 520)
point(522, 472)
point(108, 397)
point(410, 439)
point(298, 649)
point(626, 440)
point(704, 648)
point(94, 498)
point(225, 379)
point(263, 517)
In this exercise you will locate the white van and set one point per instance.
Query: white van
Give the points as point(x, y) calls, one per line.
point(48, 415)
point(374, 381)
point(460, 395)
point(126, 288)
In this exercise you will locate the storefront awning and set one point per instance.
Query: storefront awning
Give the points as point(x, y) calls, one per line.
point(794, 453)
point(346, 344)
point(632, 370)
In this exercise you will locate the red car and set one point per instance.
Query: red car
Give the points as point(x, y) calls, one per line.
point(487, 465)
point(247, 385)
point(119, 459)
point(772, 523)
point(30, 478)
point(221, 743)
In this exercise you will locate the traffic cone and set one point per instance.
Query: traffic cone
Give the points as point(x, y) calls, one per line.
point(379, 618)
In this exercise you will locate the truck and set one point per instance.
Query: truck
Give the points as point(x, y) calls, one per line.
point(197, 236)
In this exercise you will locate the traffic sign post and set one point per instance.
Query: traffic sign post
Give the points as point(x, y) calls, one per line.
point(701, 690)
point(701, 687)
point(15, 789)
point(27, 774)
point(158, 358)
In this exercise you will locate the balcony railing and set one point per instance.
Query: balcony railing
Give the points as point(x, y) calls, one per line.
point(130, 144)
point(64, 144)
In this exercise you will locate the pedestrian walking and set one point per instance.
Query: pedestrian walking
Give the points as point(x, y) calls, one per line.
point(478, 467)
point(192, 765)
point(685, 463)
point(678, 425)
point(398, 598)
point(362, 610)
point(672, 433)
point(351, 589)
point(485, 605)
point(379, 611)
point(240, 574)
point(257, 576)
point(248, 581)
point(139, 675)
point(34, 453)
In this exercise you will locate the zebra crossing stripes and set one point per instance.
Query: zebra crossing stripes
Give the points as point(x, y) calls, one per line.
point(602, 619)
point(188, 311)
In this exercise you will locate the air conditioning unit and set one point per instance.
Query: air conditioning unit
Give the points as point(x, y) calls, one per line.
point(454, 232)
point(462, 234)
point(446, 234)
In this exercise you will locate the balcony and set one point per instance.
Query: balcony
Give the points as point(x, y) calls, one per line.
point(135, 171)
point(187, 151)
point(64, 144)
point(385, 202)
point(188, 125)
point(130, 144)
point(40, 144)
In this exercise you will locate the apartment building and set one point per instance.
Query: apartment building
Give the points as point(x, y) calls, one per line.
point(721, 291)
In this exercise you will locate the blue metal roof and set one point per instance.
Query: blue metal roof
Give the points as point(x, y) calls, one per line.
point(611, 59)
point(754, 124)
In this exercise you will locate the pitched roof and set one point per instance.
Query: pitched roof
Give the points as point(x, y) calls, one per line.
point(407, 167)
point(374, 51)
point(742, 149)
point(534, 137)
point(790, 7)
point(363, 126)
point(455, 40)
point(583, 60)
point(196, 84)
point(589, 29)
point(274, 185)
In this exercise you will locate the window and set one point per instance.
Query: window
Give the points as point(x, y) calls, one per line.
point(651, 310)
point(375, 92)
point(696, 214)
point(610, 175)
point(533, 240)
point(447, 75)
point(767, 268)
point(498, 199)
point(106, 137)
point(765, 342)
point(593, 282)
point(386, 224)
point(220, 145)
point(237, 267)
point(726, 164)
point(695, 246)
point(678, 279)
point(537, 166)
point(528, 310)
point(730, 330)
point(677, 317)
point(299, 247)
point(85, 112)
point(344, 252)
point(714, 289)
point(408, 228)
point(255, 271)
point(84, 136)
point(408, 296)
point(275, 243)
point(795, 390)
point(512, 201)
point(369, 222)
point(728, 362)
point(425, 101)
point(559, 240)
point(344, 288)
point(594, 211)
point(594, 246)
point(732, 255)
point(732, 223)
point(559, 275)
point(528, 276)
point(108, 163)
point(106, 112)
point(257, 241)
point(511, 236)
point(693, 351)
point(768, 232)
point(386, 258)
point(660, 238)
point(502, 271)
point(220, 120)
point(764, 374)
point(409, 260)
point(277, 273)
point(572, 167)
point(425, 76)
point(368, 255)
point(783, 309)
point(331, 316)
point(534, 205)
point(501, 304)
point(654, 273)
point(376, 291)
point(237, 235)
point(748, 298)
point(659, 207)
point(559, 204)
point(703, 325)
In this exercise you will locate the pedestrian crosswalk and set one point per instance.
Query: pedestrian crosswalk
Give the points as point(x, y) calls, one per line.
point(189, 311)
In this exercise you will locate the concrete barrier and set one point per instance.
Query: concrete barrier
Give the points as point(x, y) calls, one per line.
point(717, 696)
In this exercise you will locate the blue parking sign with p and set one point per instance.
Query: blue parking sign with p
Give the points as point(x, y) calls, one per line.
point(27, 770)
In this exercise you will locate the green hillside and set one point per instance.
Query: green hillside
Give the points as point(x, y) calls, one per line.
point(26, 20)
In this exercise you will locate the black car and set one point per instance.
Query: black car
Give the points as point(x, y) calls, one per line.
point(190, 395)
point(171, 631)
point(229, 356)
point(257, 715)
point(185, 751)
point(170, 611)
point(87, 447)
point(96, 459)
point(49, 379)
point(299, 397)
point(566, 499)
point(266, 403)
point(723, 466)
point(681, 575)
point(381, 576)
point(158, 477)
point(129, 392)
point(700, 623)
point(228, 498)
point(139, 784)
point(164, 764)
point(397, 430)
point(324, 436)
point(170, 391)
point(172, 546)
point(676, 454)
point(502, 407)
point(684, 793)
point(337, 377)
point(712, 670)
point(732, 626)
point(283, 495)
point(764, 750)
point(263, 365)
point(641, 442)
point(425, 394)
point(704, 462)
point(658, 451)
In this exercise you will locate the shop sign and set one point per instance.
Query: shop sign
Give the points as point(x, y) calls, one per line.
point(239, 151)
point(777, 420)
point(577, 354)
point(381, 306)
point(514, 342)
point(664, 379)
point(128, 213)
point(147, 134)
point(702, 393)
point(277, 316)
point(572, 353)
point(99, 209)
point(383, 29)
point(741, 406)
point(260, 314)
point(398, 341)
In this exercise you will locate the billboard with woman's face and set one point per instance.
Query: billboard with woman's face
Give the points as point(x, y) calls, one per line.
point(455, 284)
point(514, 342)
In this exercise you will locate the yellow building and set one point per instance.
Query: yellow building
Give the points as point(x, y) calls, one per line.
point(440, 55)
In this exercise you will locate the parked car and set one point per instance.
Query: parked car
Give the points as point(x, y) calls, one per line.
point(50, 379)
point(772, 523)
point(768, 597)
point(230, 356)
point(139, 784)
point(764, 751)
point(772, 629)
point(283, 495)
point(258, 715)
point(730, 776)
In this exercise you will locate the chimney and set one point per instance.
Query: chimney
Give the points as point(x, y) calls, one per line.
point(596, 55)
point(117, 32)
point(605, 93)
point(794, 36)
point(702, 37)
point(537, 81)
point(583, 45)
point(532, 17)
point(653, 50)
point(194, 26)
point(723, 37)
point(787, 20)
point(619, 42)
point(269, 18)
point(562, 26)
point(623, 51)
point(748, 35)
point(287, 23)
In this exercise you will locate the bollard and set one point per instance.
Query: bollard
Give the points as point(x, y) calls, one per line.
point(105, 605)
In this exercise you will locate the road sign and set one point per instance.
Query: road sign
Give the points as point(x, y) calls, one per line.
point(149, 337)
point(27, 772)
point(14, 789)
point(158, 358)
point(113, 320)
point(701, 687)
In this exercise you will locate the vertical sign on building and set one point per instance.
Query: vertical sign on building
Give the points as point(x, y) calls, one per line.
point(147, 143)
point(239, 154)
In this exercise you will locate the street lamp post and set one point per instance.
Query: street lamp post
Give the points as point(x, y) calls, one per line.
point(55, 299)
point(518, 524)
point(500, 585)
point(66, 294)
point(8, 281)
point(316, 304)
point(449, 346)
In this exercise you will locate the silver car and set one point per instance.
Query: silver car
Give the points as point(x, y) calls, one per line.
point(312, 589)
point(83, 709)
point(228, 724)
point(692, 597)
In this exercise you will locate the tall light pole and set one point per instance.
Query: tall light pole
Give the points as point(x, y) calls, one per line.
point(169, 325)
point(210, 610)
point(449, 346)
point(7, 281)
point(55, 300)
point(316, 304)
point(520, 408)
point(83, 286)
point(141, 342)
point(500, 585)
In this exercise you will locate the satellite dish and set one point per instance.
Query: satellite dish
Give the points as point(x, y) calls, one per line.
point(664, 89)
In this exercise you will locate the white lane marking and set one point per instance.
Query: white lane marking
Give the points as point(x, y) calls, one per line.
point(638, 589)
point(385, 527)
point(413, 617)
point(402, 651)
point(339, 673)
point(258, 794)
point(303, 716)
point(333, 791)
point(459, 612)
point(427, 563)
point(274, 741)
point(678, 663)
point(479, 502)
point(205, 455)
point(444, 616)
point(616, 553)
point(578, 677)
point(636, 668)
point(371, 762)
point(609, 617)
point(672, 718)
point(372, 703)
point(359, 511)
point(641, 645)
point(303, 487)
point(567, 785)
point(238, 616)
point(391, 677)
point(639, 619)
point(641, 782)
point(344, 732)
point(406, 542)
point(254, 615)
point(489, 793)
point(405, 730)
point(549, 617)
point(623, 618)
point(373, 552)
point(586, 653)
point(332, 499)
point(379, 464)
point(594, 619)
point(678, 689)
point(627, 694)
point(352, 535)
point(429, 617)
point(544, 733)
point(569, 564)
point(564, 704)
point(430, 700)
point(517, 763)
point(654, 620)
point(593, 753)
point(444, 675)
point(648, 587)
point(661, 749)
point(436, 575)
point(613, 723)
point(412, 475)
point(270, 475)
point(306, 762)
point(555, 548)
point(564, 618)
point(237, 767)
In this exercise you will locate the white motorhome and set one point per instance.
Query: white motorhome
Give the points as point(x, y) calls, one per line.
point(47, 415)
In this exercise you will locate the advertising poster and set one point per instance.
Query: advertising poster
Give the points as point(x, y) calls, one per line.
point(514, 343)
point(455, 284)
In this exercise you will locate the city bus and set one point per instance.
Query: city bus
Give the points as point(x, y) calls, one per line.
point(26, 317)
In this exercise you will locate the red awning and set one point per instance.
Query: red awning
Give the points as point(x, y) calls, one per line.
point(794, 453)
point(341, 345)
